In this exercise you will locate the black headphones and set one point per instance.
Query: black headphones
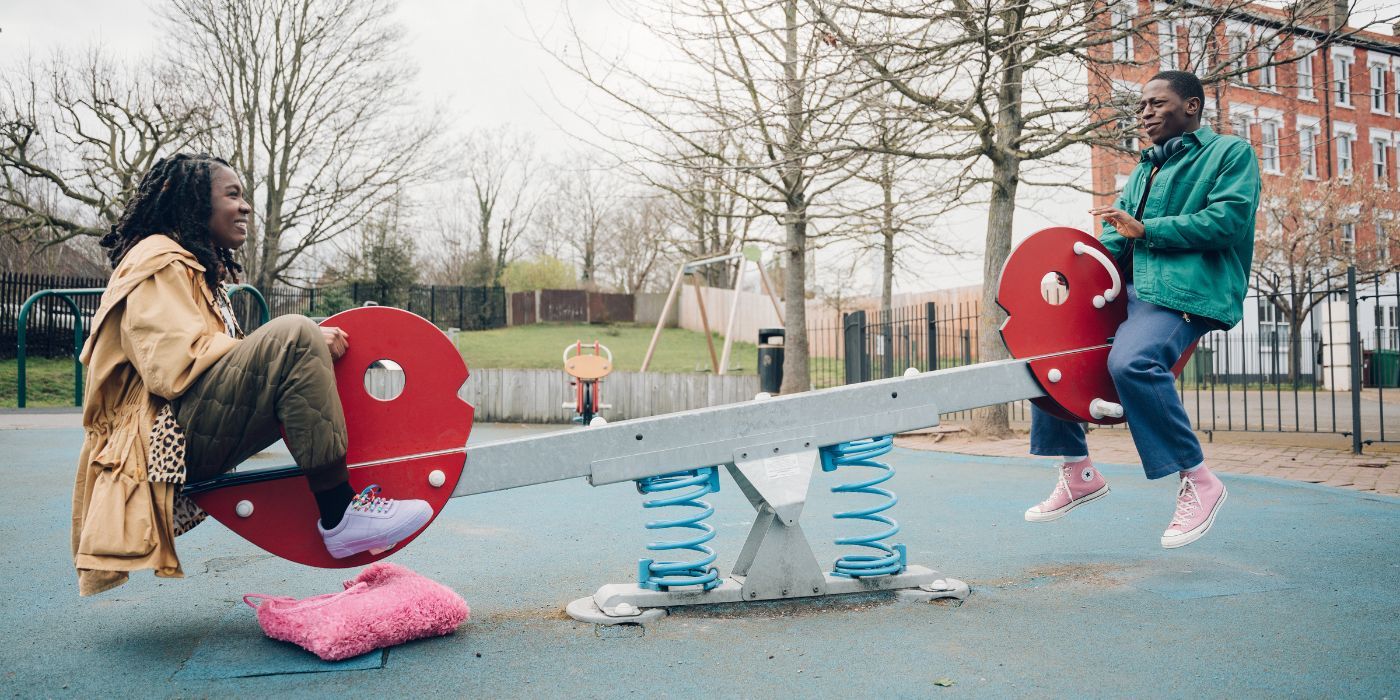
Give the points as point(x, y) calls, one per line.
point(1163, 152)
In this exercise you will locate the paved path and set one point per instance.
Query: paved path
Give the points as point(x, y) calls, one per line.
point(1292, 594)
point(1319, 459)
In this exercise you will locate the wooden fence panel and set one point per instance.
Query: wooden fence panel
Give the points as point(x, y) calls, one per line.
point(539, 395)
point(522, 308)
point(563, 306)
point(611, 308)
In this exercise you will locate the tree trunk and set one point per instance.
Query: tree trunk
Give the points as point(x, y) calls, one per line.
point(993, 421)
point(888, 232)
point(796, 375)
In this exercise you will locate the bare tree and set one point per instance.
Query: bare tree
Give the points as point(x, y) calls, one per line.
point(580, 210)
point(767, 87)
point(1310, 238)
point(713, 207)
point(76, 135)
point(635, 245)
point(310, 102)
point(1002, 85)
point(499, 173)
point(900, 198)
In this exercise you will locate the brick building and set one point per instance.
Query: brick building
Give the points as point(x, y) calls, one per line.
point(1335, 113)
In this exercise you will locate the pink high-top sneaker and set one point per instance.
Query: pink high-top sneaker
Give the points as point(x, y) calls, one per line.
point(1197, 501)
point(1077, 484)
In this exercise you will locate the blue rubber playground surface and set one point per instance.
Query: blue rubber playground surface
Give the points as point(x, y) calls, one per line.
point(1296, 592)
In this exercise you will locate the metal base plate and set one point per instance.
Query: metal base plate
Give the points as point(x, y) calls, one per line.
point(619, 603)
point(938, 590)
point(585, 610)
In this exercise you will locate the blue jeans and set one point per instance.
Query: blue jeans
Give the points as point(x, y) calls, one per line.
point(1145, 347)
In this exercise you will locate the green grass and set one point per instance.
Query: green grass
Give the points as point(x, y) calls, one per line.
point(541, 346)
point(48, 382)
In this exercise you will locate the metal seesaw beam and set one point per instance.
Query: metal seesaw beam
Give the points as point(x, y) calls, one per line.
point(642, 447)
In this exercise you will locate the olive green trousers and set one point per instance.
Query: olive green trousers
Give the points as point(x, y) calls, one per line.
point(278, 378)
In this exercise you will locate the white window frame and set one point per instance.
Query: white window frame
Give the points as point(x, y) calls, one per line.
point(1242, 115)
point(1307, 151)
point(1268, 74)
point(1348, 229)
point(1381, 165)
point(1384, 220)
point(1167, 57)
point(1237, 44)
point(1305, 49)
point(1342, 59)
point(1377, 92)
point(1121, 15)
point(1344, 135)
point(1199, 55)
point(1268, 145)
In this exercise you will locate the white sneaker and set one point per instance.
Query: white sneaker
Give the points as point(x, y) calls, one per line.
point(374, 524)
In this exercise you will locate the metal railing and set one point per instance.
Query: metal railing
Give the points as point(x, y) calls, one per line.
point(80, 331)
point(1325, 360)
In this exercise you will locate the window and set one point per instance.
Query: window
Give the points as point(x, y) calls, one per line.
point(1268, 73)
point(1128, 128)
point(1344, 155)
point(1122, 22)
point(1382, 240)
point(1381, 168)
point(1387, 330)
point(1268, 131)
point(1166, 45)
point(1377, 87)
point(1343, 80)
point(1238, 47)
point(1197, 37)
point(1307, 150)
point(1349, 237)
point(1239, 126)
point(1273, 327)
point(1305, 76)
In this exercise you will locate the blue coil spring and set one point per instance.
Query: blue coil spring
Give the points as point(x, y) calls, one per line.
point(891, 558)
point(694, 483)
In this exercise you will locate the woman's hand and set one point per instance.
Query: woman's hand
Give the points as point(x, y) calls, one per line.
point(1126, 225)
point(337, 340)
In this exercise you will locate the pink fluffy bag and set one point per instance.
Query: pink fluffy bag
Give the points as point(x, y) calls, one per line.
point(386, 604)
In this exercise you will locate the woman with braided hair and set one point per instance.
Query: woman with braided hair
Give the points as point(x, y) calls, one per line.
point(175, 393)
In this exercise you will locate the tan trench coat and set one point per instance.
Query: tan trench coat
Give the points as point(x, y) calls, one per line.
point(156, 330)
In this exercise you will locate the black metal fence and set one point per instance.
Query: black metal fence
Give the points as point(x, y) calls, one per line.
point(879, 345)
point(464, 308)
point(1270, 373)
point(50, 324)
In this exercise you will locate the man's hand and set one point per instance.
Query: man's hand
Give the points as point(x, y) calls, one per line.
point(1120, 220)
point(337, 340)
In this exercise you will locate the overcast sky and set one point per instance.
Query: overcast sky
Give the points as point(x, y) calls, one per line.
point(481, 60)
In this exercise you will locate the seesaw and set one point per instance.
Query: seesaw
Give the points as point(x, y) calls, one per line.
point(415, 445)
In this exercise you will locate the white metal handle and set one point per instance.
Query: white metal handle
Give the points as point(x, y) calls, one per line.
point(574, 346)
point(1100, 409)
point(1112, 292)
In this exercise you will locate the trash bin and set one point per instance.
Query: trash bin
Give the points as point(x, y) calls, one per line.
point(1385, 368)
point(1200, 369)
point(770, 359)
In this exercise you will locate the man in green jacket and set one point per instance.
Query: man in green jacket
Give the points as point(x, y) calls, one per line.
point(1183, 235)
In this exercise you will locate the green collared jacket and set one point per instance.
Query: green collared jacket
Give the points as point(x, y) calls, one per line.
point(1196, 253)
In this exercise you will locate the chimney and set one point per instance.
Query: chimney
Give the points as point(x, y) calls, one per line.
point(1341, 11)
